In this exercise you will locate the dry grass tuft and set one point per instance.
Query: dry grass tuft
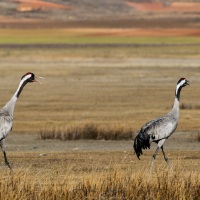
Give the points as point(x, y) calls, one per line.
point(87, 131)
point(138, 187)
point(195, 137)
point(187, 106)
point(198, 136)
point(115, 185)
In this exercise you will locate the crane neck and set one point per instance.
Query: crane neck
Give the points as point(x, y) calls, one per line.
point(175, 108)
point(9, 107)
point(178, 91)
point(20, 88)
point(174, 113)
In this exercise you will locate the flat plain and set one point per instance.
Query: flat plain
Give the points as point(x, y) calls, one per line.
point(124, 86)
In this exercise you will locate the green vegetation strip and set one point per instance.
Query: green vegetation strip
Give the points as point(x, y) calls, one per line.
point(63, 36)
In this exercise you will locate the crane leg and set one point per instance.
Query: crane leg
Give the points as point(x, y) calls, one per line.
point(165, 157)
point(153, 158)
point(4, 153)
point(6, 160)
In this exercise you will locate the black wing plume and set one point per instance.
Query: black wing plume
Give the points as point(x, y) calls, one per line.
point(141, 142)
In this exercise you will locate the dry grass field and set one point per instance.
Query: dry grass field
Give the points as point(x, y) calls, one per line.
point(98, 169)
point(92, 169)
point(117, 88)
point(100, 175)
point(101, 85)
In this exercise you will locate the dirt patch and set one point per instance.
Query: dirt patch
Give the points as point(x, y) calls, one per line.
point(29, 142)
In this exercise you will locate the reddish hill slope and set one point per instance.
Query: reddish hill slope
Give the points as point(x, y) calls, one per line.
point(160, 7)
point(31, 5)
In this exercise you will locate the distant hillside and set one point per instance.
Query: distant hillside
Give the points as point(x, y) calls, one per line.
point(65, 10)
point(99, 13)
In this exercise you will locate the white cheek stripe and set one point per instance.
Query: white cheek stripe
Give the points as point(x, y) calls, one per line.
point(26, 77)
point(179, 85)
point(20, 84)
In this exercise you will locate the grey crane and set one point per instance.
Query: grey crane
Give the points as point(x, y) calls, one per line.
point(6, 113)
point(160, 129)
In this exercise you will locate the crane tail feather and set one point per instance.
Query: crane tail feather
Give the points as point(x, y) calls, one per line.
point(142, 141)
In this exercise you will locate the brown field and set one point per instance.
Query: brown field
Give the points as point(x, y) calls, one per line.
point(104, 86)
point(142, 32)
point(108, 86)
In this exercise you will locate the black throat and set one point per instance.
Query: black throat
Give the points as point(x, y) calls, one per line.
point(178, 93)
point(21, 88)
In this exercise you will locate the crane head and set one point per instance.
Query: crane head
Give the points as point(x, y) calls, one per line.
point(183, 82)
point(30, 77)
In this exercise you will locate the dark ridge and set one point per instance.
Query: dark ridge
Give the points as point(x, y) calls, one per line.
point(68, 46)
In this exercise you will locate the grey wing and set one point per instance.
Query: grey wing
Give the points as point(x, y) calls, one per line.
point(5, 126)
point(153, 131)
point(149, 127)
point(160, 128)
point(144, 138)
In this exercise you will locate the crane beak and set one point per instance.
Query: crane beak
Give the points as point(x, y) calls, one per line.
point(37, 80)
point(187, 82)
